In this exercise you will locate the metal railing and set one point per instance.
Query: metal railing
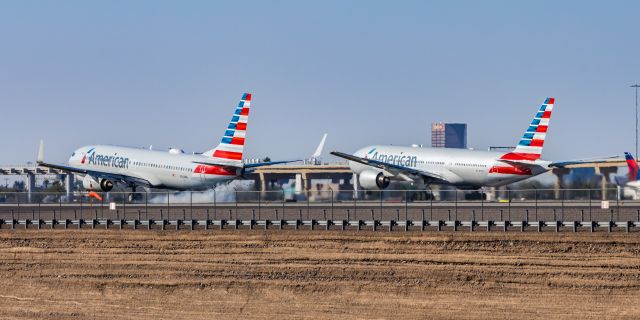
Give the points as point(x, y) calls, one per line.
point(346, 208)
point(526, 203)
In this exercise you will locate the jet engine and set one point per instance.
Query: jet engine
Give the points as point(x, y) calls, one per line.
point(90, 183)
point(370, 180)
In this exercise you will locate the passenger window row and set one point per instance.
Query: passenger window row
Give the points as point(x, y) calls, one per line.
point(160, 166)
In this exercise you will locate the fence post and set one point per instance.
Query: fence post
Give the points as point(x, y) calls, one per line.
point(81, 207)
point(406, 203)
point(331, 204)
point(380, 205)
point(283, 203)
point(146, 204)
point(564, 194)
point(509, 201)
point(590, 219)
point(308, 204)
point(191, 205)
point(355, 203)
point(482, 204)
point(535, 191)
point(215, 209)
point(618, 203)
point(18, 201)
point(456, 205)
point(431, 206)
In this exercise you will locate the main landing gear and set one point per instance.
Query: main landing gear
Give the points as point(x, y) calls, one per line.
point(134, 196)
point(476, 195)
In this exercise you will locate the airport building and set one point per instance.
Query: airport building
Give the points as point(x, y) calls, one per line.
point(449, 135)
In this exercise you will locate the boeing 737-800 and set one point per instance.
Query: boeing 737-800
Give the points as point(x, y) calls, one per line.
point(377, 165)
point(103, 166)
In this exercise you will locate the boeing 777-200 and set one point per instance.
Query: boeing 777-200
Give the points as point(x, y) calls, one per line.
point(103, 166)
point(377, 165)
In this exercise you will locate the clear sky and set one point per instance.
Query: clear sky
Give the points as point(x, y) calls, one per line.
point(169, 73)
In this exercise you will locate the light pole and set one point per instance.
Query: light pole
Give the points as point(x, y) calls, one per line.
point(636, 86)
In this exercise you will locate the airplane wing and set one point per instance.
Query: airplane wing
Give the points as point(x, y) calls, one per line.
point(124, 179)
point(562, 164)
point(392, 169)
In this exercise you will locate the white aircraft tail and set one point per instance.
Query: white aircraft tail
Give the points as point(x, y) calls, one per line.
point(231, 146)
point(319, 148)
point(40, 158)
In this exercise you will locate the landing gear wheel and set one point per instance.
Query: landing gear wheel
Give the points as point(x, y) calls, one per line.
point(133, 196)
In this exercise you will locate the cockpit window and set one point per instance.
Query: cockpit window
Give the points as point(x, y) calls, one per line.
point(73, 154)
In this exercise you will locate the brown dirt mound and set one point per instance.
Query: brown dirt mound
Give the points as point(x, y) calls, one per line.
point(75, 274)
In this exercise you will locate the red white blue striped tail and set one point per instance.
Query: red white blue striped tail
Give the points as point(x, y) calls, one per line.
point(231, 146)
point(530, 146)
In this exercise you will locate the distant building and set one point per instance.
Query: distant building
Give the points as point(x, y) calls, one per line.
point(449, 135)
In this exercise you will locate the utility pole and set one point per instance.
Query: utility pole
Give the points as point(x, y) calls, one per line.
point(636, 86)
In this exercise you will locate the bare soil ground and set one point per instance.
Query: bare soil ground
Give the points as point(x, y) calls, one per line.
point(77, 274)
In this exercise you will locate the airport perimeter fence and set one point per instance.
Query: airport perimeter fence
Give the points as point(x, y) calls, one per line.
point(430, 205)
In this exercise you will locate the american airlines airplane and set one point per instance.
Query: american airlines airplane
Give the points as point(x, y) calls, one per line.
point(377, 165)
point(103, 166)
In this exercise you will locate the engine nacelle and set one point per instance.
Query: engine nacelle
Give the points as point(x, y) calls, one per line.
point(370, 180)
point(90, 183)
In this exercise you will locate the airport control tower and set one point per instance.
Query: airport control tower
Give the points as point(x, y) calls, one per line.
point(449, 135)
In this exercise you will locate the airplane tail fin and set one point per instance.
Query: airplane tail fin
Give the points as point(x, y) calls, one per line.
point(40, 158)
point(231, 146)
point(530, 146)
point(633, 167)
point(318, 151)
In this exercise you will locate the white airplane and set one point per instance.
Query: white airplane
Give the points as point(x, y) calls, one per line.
point(103, 166)
point(377, 165)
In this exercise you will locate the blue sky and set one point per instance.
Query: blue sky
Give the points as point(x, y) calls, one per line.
point(169, 73)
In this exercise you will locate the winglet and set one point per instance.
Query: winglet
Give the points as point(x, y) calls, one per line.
point(40, 158)
point(320, 147)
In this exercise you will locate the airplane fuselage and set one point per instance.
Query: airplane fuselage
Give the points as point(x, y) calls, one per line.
point(162, 169)
point(460, 167)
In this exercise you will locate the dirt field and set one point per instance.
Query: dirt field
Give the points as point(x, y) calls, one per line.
point(73, 274)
